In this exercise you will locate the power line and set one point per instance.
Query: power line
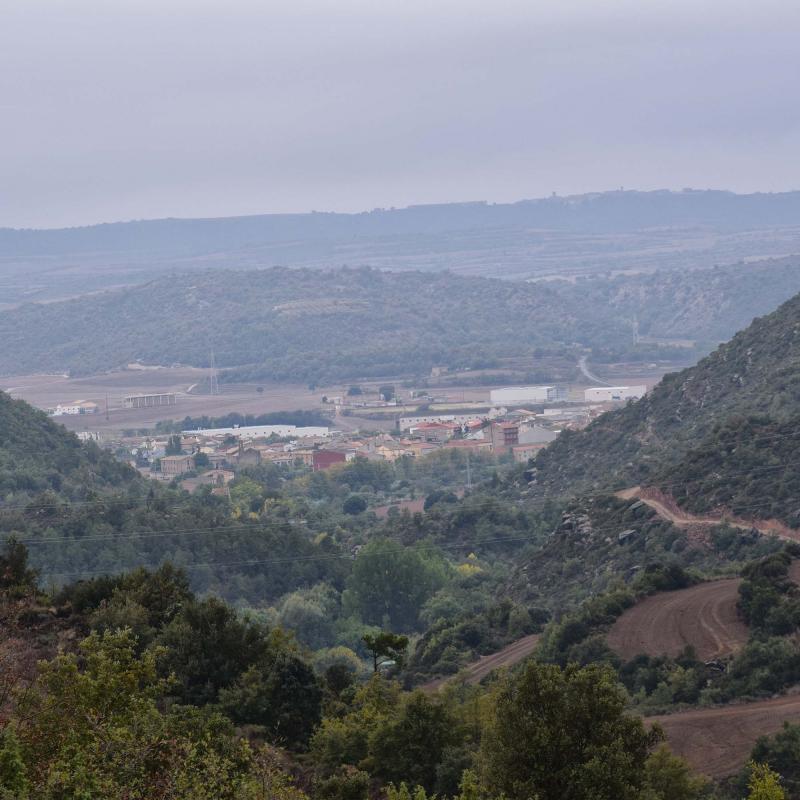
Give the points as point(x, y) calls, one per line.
point(262, 525)
point(348, 556)
point(324, 557)
point(145, 502)
point(245, 527)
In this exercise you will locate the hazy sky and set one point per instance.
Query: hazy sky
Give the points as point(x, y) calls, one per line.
point(125, 109)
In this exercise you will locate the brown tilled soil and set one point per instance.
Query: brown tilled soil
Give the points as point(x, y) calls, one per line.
point(478, 670)
point(718, 741)
point(703, 616)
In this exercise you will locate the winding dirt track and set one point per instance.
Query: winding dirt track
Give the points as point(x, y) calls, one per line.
point(703, 616)
point(478, 670)
point(718, 741)
point(666, 507)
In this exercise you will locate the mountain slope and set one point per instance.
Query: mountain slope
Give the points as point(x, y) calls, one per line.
point(38, 455)
point(80, 511)
point(756, 373)
point(301, 324)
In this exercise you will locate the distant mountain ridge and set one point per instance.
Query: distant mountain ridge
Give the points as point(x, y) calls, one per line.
point(600, 211)
point(584, 235)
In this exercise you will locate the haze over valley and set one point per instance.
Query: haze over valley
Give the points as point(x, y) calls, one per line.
point(331, 468)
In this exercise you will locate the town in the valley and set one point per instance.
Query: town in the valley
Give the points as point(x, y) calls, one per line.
point(512, 425)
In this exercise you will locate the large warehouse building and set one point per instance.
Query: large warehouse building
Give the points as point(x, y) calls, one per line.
point(525, 395)
point(611, 394)
point(262, 431)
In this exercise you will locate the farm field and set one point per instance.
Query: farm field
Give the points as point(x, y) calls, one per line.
point(189, 384)
point(703, 617)
point(717, 741)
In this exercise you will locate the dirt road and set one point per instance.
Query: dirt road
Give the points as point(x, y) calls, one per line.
point(718, 741)
point(703, 616)
point(478, 670)
point(584, 368)
point(668, 509)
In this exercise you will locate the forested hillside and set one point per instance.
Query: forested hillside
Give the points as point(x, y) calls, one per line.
point(746, 466)
point(317, 326)
point(37, 455)
point(144, 690)
point(286, 543)
point(696, 428)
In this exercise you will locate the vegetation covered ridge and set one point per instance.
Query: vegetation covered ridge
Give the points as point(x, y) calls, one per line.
point(327, 325)
point(747, 392)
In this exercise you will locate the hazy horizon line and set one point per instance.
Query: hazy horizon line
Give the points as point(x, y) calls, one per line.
point(389, 209)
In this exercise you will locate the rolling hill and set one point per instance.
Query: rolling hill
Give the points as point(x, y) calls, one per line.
point(318, 326)
point(582, 235)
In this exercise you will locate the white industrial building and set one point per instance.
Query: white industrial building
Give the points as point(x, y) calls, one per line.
point(72, 409)
point(524, 395)
point(612, 394)
point(408, 423)
point(262, 431)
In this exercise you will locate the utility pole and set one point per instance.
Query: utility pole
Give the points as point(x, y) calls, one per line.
point(212, 378)
point(469, 473)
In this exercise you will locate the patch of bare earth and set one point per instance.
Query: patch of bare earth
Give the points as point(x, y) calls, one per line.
point(478, 670)
point(703, 617)
point(718, 741)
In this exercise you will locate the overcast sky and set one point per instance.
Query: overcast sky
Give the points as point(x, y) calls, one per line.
point(131, 109)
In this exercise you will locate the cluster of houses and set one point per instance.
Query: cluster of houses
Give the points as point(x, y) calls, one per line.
point(213, 456)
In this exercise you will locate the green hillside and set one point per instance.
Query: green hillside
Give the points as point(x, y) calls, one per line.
point(678, 430)
point(317, 326)
point(297, 324)
point(747, 466)
point(81, 511)
point(38, 455)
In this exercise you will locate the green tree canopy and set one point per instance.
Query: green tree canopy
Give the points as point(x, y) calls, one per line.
point(390, 584)
point(207, 647)
point(386, 646)
point(558, 734)
point(94, 729)
point(281, 693)
point(764, 784)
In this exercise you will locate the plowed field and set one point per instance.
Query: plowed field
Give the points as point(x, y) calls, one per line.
point(718, 741)
point(703, 616)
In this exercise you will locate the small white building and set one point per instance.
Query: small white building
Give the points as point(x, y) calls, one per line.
point(76, 408)
point(613, 394)
point(524, 395)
